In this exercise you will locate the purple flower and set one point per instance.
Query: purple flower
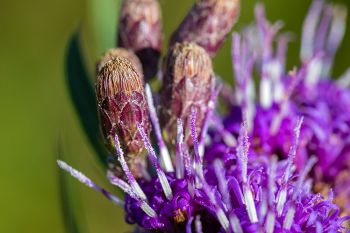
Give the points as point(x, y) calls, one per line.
point(239, 195)
point(306, 91)
point(251, 176)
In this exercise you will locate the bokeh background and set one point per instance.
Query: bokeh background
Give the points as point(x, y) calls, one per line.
point(39, 122)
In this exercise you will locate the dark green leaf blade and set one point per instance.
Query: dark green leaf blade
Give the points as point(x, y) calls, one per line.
point(83, 96)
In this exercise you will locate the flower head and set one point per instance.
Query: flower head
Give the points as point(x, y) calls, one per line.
point(239, 195)
point(283, 96)
point(122, 104)
point(140, 30)
point(207, 24)
point(187, 79)
point(253, 170)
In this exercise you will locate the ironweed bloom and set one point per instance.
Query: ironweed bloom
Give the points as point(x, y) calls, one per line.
point(250, 171)
point(188, 80)
point(232, 195)
point(140, 30)
point(122, 104)
point(207, 24)
point(306, 91)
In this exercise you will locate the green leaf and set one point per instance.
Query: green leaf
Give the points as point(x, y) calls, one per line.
point(83, 96)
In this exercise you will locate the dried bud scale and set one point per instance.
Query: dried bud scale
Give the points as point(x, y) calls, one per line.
point(208, 24)
point(187, 83)
point(120, 52)
point(140, 30)
point(122, 105)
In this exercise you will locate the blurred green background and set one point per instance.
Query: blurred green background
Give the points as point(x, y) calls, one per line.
point(37, 115)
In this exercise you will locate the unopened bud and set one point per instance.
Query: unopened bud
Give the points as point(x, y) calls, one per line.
point(120, 52)
point(208, 23)
point(140, 30)
point(122, 104)
point(187, 83)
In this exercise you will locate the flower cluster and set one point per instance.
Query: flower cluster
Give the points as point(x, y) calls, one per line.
point(250, 171)
point(306, 91)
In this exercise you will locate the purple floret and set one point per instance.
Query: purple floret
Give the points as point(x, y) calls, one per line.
point(307, 91)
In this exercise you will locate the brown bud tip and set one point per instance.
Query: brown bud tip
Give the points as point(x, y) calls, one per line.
point(122, 104)
point(187, 81)
point(208, 23)
point(120, 52)
point(140, 30)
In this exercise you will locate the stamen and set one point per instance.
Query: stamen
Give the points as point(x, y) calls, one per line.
point(189, 225)
point(323, 28)
point(235, 224)
point(309, 30)
point(274, 71)
point(293, 149)
point(314, 69)
point(271, 68)
point(282, 194)
point(220, 174)
point(279, 66)
point(128, 190)
point(220, 214)
point(250, 205)
point(180, 167)
point(243, 62)
point(163, 149)
point(288, 220)
point(233, 183)
point(250, 106)
point(147, 209)
point(197, 159)
point(85, 180)
point(198, 224)
point(236, 60)
point(344, 80)
point(263, 203)
point(118, 182)
point(242, 154)
point(303, 174)
point(270, 222)
point(281, 200)
point(242, 151)
point(272, 180)
point(265, 92)
point(152, 155)
point(189, 171)
point(211, 106)
point(284, 104)
point(337, 29)
point(282, 46)
point(130, 177)
point(227, 137)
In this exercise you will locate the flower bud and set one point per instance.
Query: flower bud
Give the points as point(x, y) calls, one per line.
point(187, 82)
point(140, 30)
point(122, 104)
point(207, 24)
point(120, 52)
